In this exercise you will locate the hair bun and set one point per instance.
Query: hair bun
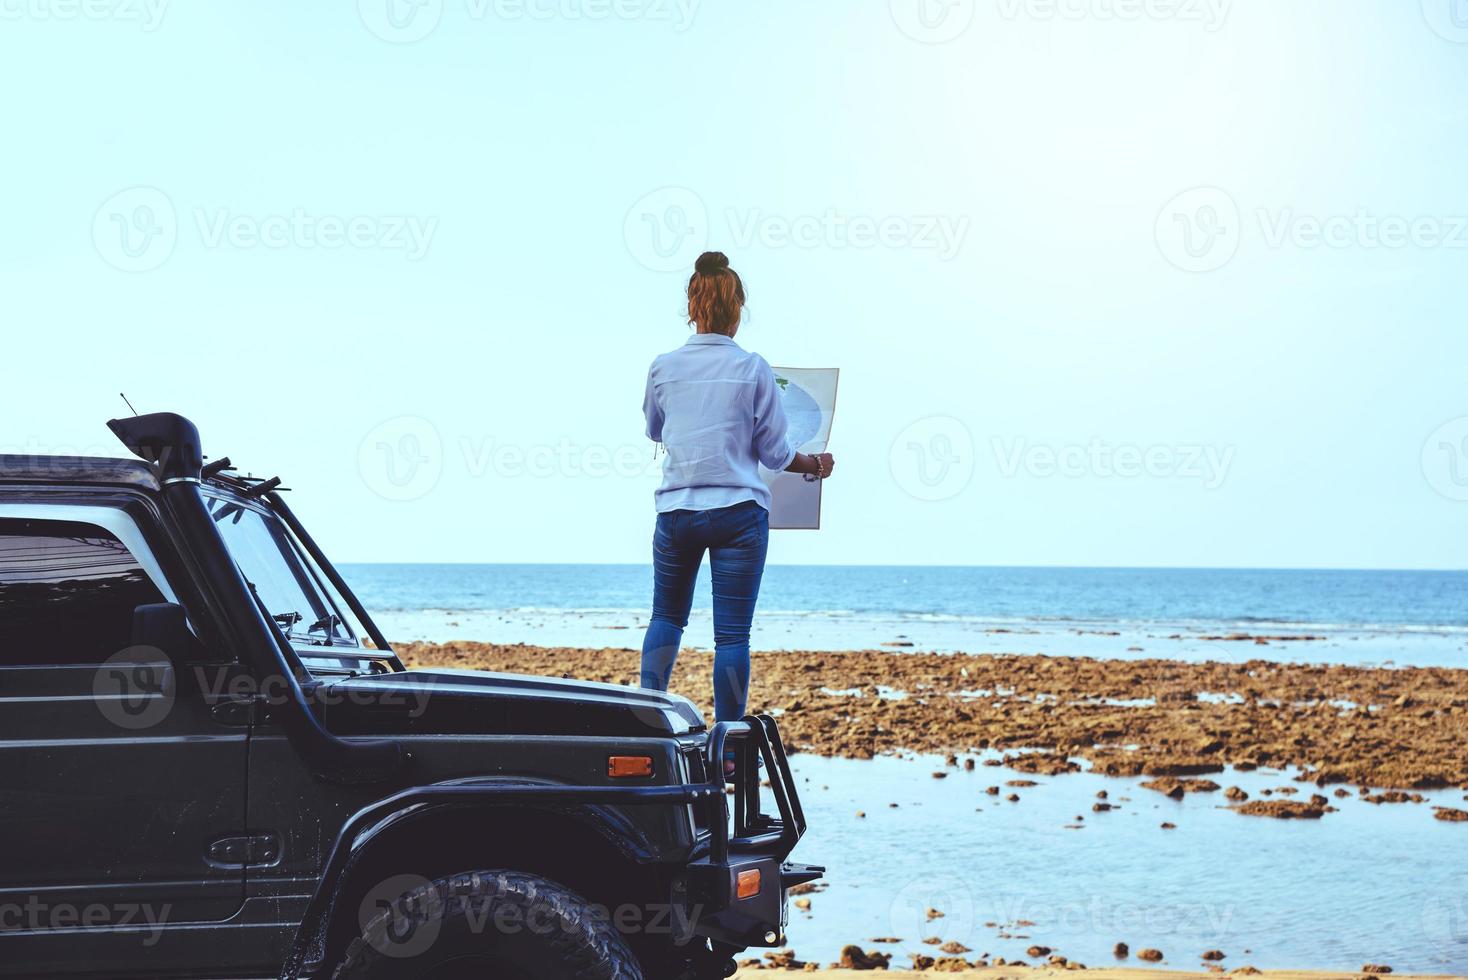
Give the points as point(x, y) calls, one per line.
point(711, 262)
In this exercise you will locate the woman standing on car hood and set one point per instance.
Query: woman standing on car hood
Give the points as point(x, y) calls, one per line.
point(716, 409)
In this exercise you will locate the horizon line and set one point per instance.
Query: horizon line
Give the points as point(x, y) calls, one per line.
point(995, 567)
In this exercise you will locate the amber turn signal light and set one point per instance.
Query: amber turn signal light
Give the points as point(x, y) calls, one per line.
point(627, 766)
point(747, 884)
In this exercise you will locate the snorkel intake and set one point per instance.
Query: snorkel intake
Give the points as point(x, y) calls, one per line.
point(171, 444)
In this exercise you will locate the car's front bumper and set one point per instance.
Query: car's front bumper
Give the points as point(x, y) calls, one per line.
point(748, 842)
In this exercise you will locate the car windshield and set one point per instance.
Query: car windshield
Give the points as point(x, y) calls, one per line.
point(271, 565)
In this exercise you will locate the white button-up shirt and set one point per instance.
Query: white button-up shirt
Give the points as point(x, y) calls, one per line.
point(716, 409)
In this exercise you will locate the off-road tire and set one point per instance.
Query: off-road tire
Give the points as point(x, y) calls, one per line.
point(578, 943)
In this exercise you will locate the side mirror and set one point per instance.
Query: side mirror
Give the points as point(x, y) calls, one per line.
point(164, 626)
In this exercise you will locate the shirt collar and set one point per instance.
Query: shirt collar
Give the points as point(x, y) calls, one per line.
point(711, 338)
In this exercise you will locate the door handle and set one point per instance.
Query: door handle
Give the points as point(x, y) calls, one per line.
point(244, 851)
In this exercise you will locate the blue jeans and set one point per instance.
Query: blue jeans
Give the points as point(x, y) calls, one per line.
point(736, 539)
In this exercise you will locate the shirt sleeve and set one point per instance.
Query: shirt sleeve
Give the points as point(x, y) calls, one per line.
point(652, 411)
point(771, 431)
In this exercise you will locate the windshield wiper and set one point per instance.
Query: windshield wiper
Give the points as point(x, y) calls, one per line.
point(287, 619)
point(327, 624)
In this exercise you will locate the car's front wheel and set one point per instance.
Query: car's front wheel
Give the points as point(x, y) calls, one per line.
point(488, 925)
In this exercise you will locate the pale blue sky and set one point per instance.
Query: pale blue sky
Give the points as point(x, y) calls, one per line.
point(1044, 243)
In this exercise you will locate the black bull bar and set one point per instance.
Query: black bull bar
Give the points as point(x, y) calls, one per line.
point(752, 838)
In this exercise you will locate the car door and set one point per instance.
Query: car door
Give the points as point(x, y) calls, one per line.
point(122, 782)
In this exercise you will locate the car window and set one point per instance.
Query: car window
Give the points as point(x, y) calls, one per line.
point(271, 565)
point(67, 592)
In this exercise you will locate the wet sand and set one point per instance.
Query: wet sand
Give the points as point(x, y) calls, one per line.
point(1373, 728)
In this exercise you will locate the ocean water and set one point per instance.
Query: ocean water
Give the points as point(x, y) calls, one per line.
point(1373, 617)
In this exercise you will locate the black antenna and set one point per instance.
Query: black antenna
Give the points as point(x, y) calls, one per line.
point(127, 403)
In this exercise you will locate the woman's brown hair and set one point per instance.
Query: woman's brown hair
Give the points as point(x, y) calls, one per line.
point(715, 294)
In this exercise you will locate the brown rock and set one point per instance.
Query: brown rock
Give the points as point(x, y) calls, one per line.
point(1150, 955)
point(1038, 951)
point(1281, 810)
point(852, 958)
point(1177, 788)
point(1235, 794)
point(1376, 967)
point(1449, 814)
point(1213, 954)
point(1120, 951)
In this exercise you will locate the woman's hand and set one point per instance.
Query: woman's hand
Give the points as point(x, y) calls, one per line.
point(816, 467)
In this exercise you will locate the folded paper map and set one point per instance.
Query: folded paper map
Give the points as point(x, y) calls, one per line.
point(809, 397)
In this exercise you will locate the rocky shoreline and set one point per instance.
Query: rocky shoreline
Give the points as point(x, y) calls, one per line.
point(1374, 728)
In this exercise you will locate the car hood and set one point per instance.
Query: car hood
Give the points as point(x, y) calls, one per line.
point(471, 702)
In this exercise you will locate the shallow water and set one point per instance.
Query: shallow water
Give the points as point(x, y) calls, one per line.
point(1371, 883)
point(1415, 618)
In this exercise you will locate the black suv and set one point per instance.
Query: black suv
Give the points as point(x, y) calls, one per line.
point(213, 765)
